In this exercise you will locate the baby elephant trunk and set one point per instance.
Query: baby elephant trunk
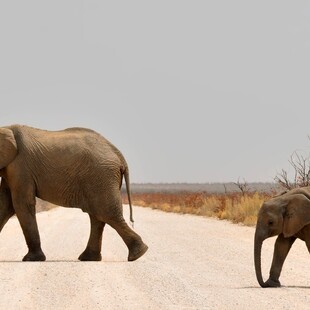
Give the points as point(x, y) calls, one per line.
point(257, 260)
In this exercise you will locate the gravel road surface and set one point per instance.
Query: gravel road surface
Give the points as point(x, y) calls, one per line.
point(192, 263)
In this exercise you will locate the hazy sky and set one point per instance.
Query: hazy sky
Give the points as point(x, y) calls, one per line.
point(189, 91)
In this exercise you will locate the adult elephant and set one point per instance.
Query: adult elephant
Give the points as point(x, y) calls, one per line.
point(74, 167)
point(288, 216)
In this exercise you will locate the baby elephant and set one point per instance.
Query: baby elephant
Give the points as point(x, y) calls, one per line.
point(74, 168)
point(288, 216)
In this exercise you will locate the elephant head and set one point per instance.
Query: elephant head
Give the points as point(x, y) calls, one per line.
point(8, 151)
point(8, 147)
point(285, 215)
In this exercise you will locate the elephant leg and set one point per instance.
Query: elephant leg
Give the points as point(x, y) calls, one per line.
point(25, 212)
point(306, 236)
point(133, 241)
point(6, 210)
point(93, 248)
point(281, 249)
point(5, 215)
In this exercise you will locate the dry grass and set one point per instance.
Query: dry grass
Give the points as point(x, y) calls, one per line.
point(233, 206)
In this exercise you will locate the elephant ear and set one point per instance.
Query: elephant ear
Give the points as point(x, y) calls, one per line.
point(297, 214)
point(8, 147)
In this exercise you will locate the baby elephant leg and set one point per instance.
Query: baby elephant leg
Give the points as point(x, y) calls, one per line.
point(93, 248)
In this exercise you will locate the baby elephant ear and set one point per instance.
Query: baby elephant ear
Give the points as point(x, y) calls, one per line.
point(297, 214)
point(8, 147)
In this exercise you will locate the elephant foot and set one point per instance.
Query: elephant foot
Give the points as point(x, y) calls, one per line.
point(89, 255)
point(272, 283)
point(34, 257)
point(137, 251)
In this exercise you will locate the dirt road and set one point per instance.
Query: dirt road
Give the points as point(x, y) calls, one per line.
point(192, 263)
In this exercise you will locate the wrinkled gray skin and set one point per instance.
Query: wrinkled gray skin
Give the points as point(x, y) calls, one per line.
point(288, 217)
point(74, 168)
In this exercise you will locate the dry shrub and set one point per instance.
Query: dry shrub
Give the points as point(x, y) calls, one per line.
point(212, 206)
point(235, 207)
point(243, 210)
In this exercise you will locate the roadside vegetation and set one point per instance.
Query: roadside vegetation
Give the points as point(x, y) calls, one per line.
point(235, 207)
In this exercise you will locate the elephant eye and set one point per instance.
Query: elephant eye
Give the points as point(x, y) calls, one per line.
point(270, 222)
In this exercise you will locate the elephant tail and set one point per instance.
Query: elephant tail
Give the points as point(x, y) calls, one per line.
point(126, 176)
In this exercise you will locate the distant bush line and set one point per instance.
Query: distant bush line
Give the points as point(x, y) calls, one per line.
point(211, 188)
point(234, 206)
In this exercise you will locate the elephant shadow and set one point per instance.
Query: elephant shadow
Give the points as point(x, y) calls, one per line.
point(62, 261)
point(283, 286)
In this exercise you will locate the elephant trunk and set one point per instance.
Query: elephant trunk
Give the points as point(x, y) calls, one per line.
point(257, 260)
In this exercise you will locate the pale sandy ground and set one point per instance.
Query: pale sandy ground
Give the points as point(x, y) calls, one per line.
point(193, 263)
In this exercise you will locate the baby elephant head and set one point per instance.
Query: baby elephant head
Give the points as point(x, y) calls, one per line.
point(286, 214)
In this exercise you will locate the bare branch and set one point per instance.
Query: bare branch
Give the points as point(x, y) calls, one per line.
point(243, 186)
point(301, 166)
point(283, 180)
